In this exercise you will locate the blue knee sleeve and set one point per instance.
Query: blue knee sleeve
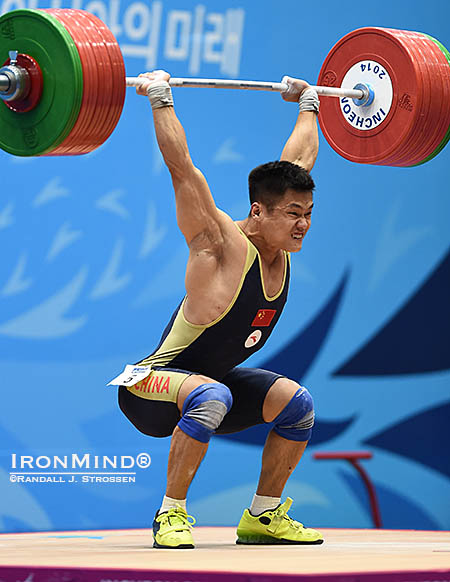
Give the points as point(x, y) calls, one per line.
point(204, 409)
point(296, 420)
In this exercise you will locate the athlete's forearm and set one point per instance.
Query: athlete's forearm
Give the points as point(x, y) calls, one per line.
point(169, 131)
point(196, 210)
point(171, 140)
point(303, 144)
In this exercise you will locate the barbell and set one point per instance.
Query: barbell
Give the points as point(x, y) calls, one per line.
point(63, 88)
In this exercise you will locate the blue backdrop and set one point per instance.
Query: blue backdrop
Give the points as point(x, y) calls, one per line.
point(92, 265)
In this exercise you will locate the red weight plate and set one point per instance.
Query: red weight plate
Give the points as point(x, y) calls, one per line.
point(417, 138)
point(397, 63)
point(104, 78)
point(429, 118)
point(441, 73)
point(435, 124)
point(106, 72)
point(439, 119)
point(117, 73)
point(445, 75)
point(91, 50)
point(102, 123)
point(430, 110)
point(80, 132)
point(99, 117)
point(107, 108)
point(69, 145)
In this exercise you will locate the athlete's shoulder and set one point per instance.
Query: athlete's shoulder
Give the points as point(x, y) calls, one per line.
point(231, 231)
point(226, 220)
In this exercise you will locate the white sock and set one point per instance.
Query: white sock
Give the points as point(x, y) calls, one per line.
point(171, 503)
point(262, 503)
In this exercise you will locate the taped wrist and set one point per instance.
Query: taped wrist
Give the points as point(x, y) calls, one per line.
point(296, 420)
point(309, 100)
point(204, 410)
point(160, 94)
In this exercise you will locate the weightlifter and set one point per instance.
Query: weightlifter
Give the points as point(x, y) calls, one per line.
point(237, 281)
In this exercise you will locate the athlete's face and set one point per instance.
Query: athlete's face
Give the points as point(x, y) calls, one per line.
point(286, 225)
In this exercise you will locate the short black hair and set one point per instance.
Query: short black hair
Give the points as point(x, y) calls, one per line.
point(268, 183)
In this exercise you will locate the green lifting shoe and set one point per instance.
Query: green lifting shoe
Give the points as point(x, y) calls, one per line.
point(274, 526)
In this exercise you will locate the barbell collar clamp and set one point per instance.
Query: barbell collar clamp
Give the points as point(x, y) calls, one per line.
point(369, 95)
point(13, 57)
point(15, 81)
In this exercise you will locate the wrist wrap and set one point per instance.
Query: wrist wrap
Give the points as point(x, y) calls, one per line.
point(160, 94)
point(309, 101)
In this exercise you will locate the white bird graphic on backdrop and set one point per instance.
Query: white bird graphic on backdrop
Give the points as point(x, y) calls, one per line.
point(6, 218)
point(51, 191)
point(47, 319)
point(17, 282)
point(110, 203)
point(63, 238)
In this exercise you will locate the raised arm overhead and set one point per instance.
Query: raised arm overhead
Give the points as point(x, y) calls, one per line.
point(302, 145)
point(197, 214)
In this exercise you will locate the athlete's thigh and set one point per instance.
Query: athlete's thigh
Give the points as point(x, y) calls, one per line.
point(249, 387)
point(153, 405)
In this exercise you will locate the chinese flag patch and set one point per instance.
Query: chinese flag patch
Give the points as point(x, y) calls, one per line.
point(263, 317)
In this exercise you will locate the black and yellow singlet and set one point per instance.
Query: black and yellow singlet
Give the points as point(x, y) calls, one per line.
point(242, 329)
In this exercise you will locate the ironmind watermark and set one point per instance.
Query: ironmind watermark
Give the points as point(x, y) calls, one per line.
point(77, 468)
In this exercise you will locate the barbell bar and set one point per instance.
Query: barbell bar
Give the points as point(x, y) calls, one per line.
point(12, 79)
point(359, 94)
point(64, 90)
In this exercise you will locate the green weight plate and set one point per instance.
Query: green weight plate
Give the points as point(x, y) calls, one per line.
point(444, 142)
point(43, 37)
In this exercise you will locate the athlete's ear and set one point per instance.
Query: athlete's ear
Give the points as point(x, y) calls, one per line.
point(255, 210)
